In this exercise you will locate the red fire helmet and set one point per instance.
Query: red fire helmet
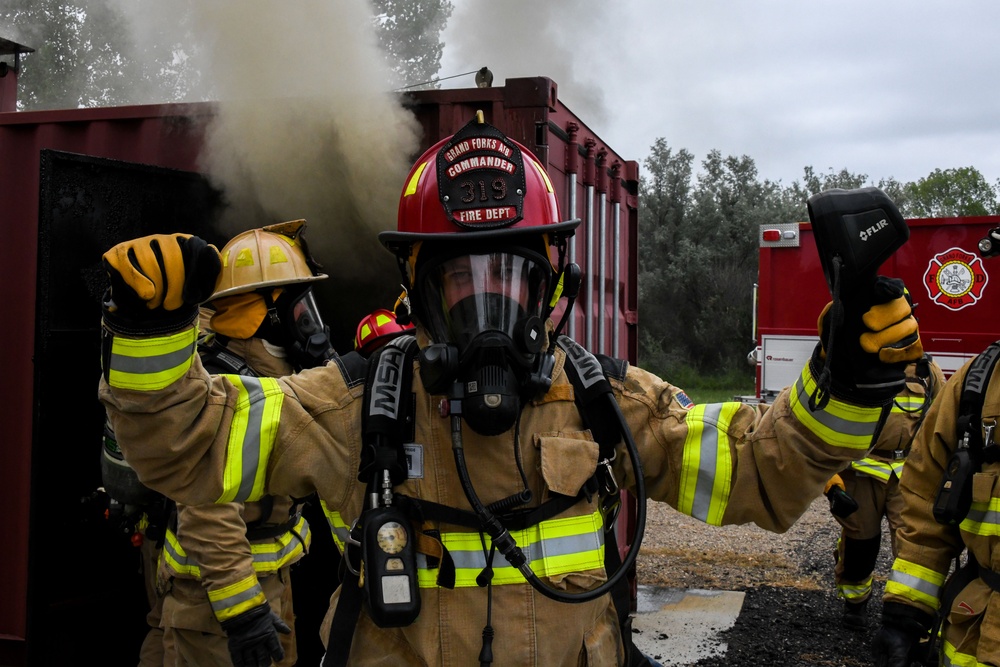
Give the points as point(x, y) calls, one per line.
point(476, 186)
point(377, 329)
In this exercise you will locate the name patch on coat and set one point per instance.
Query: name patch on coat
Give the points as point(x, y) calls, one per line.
point(414, 460)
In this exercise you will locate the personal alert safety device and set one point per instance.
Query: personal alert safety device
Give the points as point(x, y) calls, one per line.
point(390, 568)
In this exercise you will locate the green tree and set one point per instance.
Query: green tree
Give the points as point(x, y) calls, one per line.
point(813, 183)
point(950, 192)
point(86, 55)
point(716, 261)
point(664, 192)
point(409, 32)
point(698, 260)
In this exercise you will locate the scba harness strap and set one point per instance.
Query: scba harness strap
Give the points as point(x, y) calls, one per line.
point(954, 495)
point(388, 423)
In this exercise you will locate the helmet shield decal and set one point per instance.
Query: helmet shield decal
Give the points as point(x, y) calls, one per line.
point(480, 174)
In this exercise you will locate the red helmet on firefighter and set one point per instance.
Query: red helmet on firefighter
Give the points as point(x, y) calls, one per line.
point(482, 199)
point(377, 328)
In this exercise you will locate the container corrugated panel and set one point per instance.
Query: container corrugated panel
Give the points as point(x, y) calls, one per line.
point(163, 135)
point(592, 182)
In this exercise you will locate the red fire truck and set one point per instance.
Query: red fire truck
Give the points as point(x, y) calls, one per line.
point(957, 301)
point(77, 181)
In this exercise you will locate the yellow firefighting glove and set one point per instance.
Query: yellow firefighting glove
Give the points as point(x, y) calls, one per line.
point(158, 281)
point(863, 357)
point(892, 330)
point(841, 502)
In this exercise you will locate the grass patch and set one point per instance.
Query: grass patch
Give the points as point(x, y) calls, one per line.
point(714, 388)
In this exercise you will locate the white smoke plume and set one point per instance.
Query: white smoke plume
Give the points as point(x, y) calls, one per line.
point(306, 126)
point(561, 39)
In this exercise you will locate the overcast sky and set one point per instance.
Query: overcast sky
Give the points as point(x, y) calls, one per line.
point(879, 87)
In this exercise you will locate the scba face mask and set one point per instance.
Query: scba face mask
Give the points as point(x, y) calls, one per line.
point(485, 313)
point(292, 321)
point(308, 336)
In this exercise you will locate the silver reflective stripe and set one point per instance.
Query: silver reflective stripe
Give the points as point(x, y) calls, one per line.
point(288, 549)
point(916, 583)
point(982, 514)
point(875, 469)
point(831, 421)
point(150, 365)
point(221, 605)
point(707, 463)
point(549, 547)
point(251, 437)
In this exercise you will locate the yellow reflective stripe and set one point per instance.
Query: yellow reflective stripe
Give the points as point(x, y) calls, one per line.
point(340, 530)
point(148, 364)
point(983, 518)
point(411, 186)
point(839, 424)
point(271, 556)
point(907, 405)
point(552, 547)
point(251, 437)
point(707, 466)
point(268, 556)
point(545, 177)
point(952, 658)
point(234, 599)
point(877, 469)
point(855, 591)
point(915, 582)
point(176, 558)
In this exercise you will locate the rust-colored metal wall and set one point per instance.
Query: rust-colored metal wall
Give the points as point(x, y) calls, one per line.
point(167, 136)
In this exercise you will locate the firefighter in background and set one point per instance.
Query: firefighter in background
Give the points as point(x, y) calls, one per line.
point(378, 328)
point(506, 463)
point(951, 504)
point(221, 561)
point(870, 491)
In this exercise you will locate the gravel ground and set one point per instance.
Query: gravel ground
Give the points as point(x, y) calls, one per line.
point(791, 615)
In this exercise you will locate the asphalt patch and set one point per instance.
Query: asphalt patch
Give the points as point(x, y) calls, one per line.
point(796, 627)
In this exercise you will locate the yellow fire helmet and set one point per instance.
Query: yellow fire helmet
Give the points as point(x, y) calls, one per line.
point(270, 256)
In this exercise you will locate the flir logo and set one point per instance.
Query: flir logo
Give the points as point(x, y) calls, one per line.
point(874, 229)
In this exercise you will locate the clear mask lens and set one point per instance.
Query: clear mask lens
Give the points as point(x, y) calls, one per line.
point(305, 318)
point(468, 295)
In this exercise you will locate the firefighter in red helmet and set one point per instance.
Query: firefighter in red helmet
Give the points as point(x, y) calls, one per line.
point(474, 468)
point(377, 328)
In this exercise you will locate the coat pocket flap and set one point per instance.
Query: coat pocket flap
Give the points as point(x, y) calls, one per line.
point(567, 463)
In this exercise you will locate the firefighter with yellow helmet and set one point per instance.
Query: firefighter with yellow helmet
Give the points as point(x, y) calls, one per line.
point(221, 560)
point(475, 465)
